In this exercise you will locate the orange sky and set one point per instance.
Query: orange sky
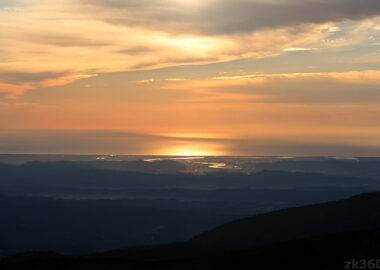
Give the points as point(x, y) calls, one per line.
point(184, 77)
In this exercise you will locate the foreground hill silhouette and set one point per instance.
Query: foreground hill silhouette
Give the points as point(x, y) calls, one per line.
point(331, 252)
point(322, 236)
point(359, 212)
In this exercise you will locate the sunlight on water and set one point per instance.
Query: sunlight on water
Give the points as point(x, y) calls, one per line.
point(214, 165)
point(172, 158)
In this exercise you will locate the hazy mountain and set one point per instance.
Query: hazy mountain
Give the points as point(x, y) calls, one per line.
point(59, 175)
point(360, 167)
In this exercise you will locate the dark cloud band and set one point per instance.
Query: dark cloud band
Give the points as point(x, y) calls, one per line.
point(232, 16)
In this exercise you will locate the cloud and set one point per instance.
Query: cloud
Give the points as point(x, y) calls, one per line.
point(74, 142)
point(13, 83)
point(173, 61)
point(352, 87)
point(8, 3)
point(24, 77)
point(65, 40)
point(136, 50)
point(297, 147)
point(230, 98)
point(82, 38)
point(227, 16)
point(299, 49)
point(114, 142)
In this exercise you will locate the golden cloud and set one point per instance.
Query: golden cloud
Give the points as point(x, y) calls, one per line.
point(47, 36)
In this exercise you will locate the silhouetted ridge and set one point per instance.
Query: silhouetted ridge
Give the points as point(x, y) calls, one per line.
point(319, 237)
point(328, 252)
point(356, 213)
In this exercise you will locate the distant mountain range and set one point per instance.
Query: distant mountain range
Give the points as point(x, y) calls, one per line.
point(58, 175)
point(344, 166)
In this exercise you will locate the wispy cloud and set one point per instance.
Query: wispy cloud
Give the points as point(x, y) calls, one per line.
point(298, 49)
point(322, 87)
point(14, 84)
point(116, 142)
point(89, 37)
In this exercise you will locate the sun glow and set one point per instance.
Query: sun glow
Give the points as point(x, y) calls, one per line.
point(191, 135)
point(192, 150)
point(186, 152)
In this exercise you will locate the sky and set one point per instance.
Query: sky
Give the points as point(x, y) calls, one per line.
point(190, 77)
